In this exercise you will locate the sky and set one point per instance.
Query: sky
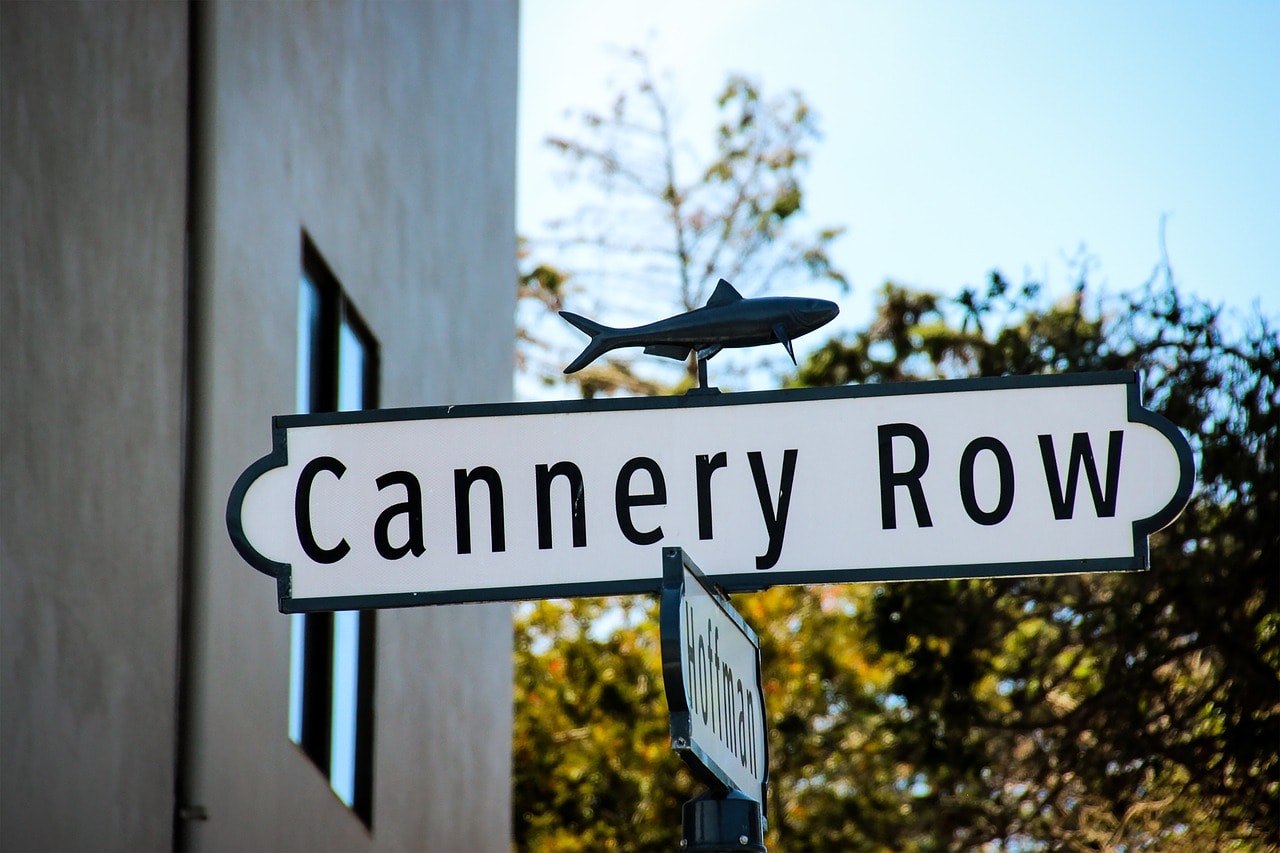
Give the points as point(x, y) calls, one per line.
point(963, 137)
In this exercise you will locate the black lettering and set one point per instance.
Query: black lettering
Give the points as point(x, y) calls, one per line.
point(545, 476)
point(462, 482)
point(726, 720)
point(410, 507)
point(775, 520)
point(702, 678)
point(690, 658)
point(624, 500)
point(1064, 501)
point(302, 511)
point(742, 726)
point(890, 479)
point(707, 466)
point(1005, 462)
point(717, 724)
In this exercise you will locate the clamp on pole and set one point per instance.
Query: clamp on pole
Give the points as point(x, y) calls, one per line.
point(722, 822)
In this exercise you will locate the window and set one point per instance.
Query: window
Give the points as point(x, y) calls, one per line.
point(331, 654)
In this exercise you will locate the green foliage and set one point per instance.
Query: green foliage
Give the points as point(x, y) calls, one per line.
point(1087, 712)
point(1103, 710)
point(593, 765)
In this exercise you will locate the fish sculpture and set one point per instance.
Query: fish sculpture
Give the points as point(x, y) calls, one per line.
point(728, 320)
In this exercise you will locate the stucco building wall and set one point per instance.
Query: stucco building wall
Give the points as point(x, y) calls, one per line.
point(160, 166)
point(92, 207)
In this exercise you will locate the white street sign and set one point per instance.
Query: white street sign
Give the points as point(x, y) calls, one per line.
point(965, 478)
point(712, 677)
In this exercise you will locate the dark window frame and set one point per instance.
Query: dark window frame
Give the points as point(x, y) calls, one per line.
point(332, 310)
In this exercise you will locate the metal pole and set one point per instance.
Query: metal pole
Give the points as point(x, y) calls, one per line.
point(703, 387)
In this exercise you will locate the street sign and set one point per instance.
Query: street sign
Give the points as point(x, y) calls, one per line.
point(964, 478)
point(712, 677)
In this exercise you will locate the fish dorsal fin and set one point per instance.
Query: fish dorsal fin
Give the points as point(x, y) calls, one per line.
point(724, 295)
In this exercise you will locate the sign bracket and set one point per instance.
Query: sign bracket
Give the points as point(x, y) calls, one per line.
point(715, 822)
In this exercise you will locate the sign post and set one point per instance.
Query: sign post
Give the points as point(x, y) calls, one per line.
point(715, 696)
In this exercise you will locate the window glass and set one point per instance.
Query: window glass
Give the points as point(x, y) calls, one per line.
point(308, 331)
point(353, 358)
point(331, 654)
point(346, 641)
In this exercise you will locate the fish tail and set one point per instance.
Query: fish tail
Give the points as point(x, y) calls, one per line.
point(598, 345)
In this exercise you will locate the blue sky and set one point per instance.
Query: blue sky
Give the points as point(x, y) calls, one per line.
point(969, 136)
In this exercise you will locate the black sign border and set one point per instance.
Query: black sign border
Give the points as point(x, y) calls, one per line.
point(732, 582)
point(674, 561)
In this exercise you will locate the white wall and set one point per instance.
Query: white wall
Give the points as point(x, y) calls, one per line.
point(387, 132)
point(92, 200)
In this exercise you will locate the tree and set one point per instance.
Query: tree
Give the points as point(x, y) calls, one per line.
point(659, 224)
point(1100, 711)
point(590, 737)
point(1090, 712)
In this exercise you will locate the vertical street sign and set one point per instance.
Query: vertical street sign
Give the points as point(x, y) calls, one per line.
point(712, 677)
